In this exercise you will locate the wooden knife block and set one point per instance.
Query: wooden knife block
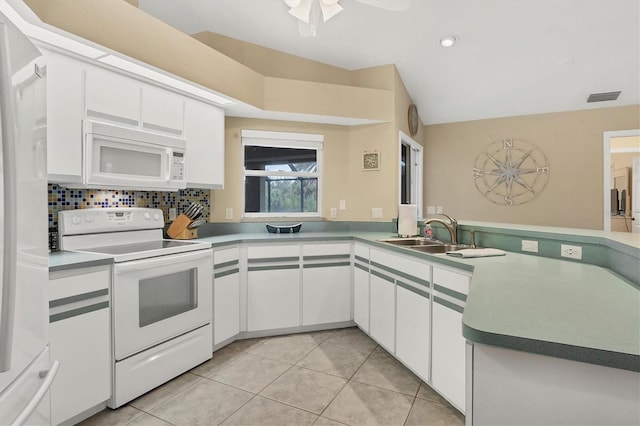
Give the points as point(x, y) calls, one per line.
point(179, 229)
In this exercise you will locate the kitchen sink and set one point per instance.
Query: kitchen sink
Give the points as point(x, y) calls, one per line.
point(424, 245)
point(411, 241)
point(440, 248)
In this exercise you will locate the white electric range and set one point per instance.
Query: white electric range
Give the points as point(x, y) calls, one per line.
point(161, 294)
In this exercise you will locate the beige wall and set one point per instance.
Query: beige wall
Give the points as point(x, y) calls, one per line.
point(572, 142)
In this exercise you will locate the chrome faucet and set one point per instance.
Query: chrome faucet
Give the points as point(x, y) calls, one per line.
point(452, 226)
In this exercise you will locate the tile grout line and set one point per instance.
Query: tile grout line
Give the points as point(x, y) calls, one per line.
point(345, 385)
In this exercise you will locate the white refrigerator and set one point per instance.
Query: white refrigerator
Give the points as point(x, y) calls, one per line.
point(26, 372)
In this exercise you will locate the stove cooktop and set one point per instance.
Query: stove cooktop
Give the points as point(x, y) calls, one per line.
point(145, 249)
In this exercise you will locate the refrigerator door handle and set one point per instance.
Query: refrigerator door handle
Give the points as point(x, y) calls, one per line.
point(9, 250)
point(48, 375)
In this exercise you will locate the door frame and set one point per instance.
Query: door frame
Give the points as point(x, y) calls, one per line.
point(606, 155)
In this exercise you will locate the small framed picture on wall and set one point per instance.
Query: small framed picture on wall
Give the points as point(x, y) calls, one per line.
point(371, 160)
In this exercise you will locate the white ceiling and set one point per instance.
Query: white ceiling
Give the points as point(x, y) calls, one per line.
point(514, 57)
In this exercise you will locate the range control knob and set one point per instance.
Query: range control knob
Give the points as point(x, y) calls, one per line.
point(156, 216)
point(147, 216)
point(76, 219)
point(90, 217)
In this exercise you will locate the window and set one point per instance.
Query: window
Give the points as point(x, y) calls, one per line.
point(282, 175)
point(410, 172)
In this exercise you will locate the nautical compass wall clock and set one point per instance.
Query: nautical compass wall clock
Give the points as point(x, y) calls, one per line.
point(511, 172)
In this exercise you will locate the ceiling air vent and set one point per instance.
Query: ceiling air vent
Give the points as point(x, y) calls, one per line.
point(601, 97)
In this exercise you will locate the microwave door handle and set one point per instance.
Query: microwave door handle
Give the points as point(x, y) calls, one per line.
point(168, 174)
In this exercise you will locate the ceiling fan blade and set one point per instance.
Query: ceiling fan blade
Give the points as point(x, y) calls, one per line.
point(393, 5)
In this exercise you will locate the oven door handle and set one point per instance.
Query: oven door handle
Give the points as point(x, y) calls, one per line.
point(168, 260)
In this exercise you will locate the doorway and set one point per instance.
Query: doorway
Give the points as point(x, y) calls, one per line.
point(616, 210)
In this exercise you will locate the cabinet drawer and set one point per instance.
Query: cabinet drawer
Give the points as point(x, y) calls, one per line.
point(452, 280)
point(361, 250)
point(64, 284)
point(326, 249)
point(402, 267)
point(273, 251)
point(222, 256)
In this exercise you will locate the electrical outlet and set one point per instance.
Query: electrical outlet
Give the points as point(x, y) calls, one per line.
point(228, 213)
point(431, 209)
point(439, 210)
point(333, 213)
point(530, 245)
point(343, 205)
point(376, 213)
point(172, 213)
point(572, 252)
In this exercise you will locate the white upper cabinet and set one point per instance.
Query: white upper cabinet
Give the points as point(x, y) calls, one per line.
point(204, 131)
point(162, 111)
point(111, 96)
point(78, 90)
point(64, 115)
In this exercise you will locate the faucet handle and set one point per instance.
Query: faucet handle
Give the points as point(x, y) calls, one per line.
point(452, 220)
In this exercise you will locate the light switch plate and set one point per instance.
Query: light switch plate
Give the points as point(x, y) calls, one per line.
point(343, 205)
point(376, 213)
point(431, 209)
point(333, 213)
point(228, 213)
point(439, 209)
point(172, 213)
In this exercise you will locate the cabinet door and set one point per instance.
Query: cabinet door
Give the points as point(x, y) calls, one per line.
point(326, 286)
point(64, 118)
point(162, 111)
point(361, 285)
point(413, 328)
point(326, 294)
point(273, 298)
point(82, 344)
point(80, 338)
point(273, 287)
point(448, 363)
point(382, 310)
point(111, 96)
point(226, 294)
point(204, 131)
point(361, 296)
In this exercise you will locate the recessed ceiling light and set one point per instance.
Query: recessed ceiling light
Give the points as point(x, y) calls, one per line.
point(448, 41)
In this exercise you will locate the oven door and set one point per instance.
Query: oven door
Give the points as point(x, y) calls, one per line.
point(160, 298)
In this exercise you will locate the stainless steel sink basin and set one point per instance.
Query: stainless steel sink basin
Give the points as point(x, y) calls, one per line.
point(424, 245)
point(440, 248)
point(410, 241)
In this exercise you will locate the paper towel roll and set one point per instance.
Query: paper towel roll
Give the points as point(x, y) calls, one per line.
point(407, 219)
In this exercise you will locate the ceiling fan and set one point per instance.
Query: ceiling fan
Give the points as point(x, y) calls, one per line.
point(311, 12)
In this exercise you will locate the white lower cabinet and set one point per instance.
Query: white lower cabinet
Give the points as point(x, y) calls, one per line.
point(326, 291)
point(273, 287)
point(80, 338)
point(226, 294)
point(413, 327)
point(382, 313)
point(361, 286)
point(450, 291)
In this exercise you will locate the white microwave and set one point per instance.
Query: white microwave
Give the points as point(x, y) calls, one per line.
point(117, 157)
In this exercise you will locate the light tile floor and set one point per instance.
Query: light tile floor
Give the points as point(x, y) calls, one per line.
point(334, 377)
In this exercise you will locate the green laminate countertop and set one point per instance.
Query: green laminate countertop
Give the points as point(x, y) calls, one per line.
point(552, 307)
point(536, 304)
point(66, 260)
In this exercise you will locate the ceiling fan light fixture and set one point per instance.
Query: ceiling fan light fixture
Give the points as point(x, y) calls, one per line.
point(449, 41)
point(330, 8)
point(302, 10)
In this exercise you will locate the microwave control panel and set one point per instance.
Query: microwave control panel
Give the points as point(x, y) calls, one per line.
point(177, 168)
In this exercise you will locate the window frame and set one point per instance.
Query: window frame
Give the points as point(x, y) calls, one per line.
point(416, 177)
point(273, 139)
